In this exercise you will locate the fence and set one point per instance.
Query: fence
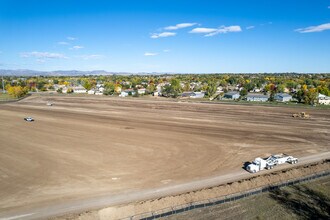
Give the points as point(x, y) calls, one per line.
point(13, 100)
point(220, 200)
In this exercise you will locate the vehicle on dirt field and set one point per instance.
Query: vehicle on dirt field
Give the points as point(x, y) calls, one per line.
point(300, 115)
point(49, 104)
point(30, 119)
point(270, 162)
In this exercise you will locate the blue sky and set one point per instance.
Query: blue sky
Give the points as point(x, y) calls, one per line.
point(192, 36)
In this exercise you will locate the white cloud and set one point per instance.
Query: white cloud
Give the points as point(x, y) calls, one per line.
point(71, 38)
point(202, 30)
point(41, 60)
point(62, 43)
point(163, 34)
point(214, 31)
point(179, 26)
point(91, 57)
point(317, 28)
point(148, 54)
point(166, 50)
point(250, 27)
point(76, 47)
point(43, 55)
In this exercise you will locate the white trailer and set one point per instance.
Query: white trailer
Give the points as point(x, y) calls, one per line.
point(269, 163)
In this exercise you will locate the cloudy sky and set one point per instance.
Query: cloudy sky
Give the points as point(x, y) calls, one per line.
point(196, 36)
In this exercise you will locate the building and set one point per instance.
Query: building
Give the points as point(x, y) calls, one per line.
point(79, 89)
point(323, 99)
point(283, 97)
point(65, 89)
point(91, 92)
point(141, 91)
point(123, 94)
point(194, 95)
point(127, 92)
point(186, 94)
point(197, 95)
point(232, 95)
point(257, 97)
point(101, 89)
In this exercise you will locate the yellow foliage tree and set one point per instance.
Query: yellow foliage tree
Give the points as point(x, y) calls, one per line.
point(17, 91)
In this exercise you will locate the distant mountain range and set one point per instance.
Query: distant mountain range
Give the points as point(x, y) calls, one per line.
point(25, 72)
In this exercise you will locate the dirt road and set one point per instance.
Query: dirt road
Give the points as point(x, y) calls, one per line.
point(97, 149)
point(112, 200)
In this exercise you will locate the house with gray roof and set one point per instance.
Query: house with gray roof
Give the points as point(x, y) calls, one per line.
point(282, 97)
point(197, 95)
point(323, 99)
point(257, 97)
point(232, 95)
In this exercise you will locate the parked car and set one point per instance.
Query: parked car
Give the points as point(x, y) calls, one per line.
point(30, 119)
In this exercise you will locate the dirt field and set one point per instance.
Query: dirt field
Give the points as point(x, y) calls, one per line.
point(83, 147)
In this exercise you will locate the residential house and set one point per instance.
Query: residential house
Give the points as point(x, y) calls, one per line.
point(123, 94)
point(232, 95)
point(257, 97)
point(186, 94)
point(197, 95)
point(323, 99)
point(91, 92)
point(127, 92)
point(79, 89)
point(101, 89)
point(219, 89)
point(194, 95)
point(141, 91)
point(65, 89)
point(283, 97)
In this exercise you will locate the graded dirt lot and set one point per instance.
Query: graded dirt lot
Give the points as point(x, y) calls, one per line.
point(83, 147)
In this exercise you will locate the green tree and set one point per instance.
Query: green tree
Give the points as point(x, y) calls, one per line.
point(109, 88)
point(243, 92)
point(299, 95)
point(280, 88)
point(310, 96)
point(211, 88)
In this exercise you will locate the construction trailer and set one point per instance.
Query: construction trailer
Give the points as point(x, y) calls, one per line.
point(269, 163)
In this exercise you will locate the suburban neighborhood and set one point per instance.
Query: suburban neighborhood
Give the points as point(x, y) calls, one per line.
point(312, 89)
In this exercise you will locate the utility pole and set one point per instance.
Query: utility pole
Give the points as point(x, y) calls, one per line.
point(3, 85)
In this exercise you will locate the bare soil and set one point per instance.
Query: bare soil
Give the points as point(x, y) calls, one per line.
point(83, 147)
